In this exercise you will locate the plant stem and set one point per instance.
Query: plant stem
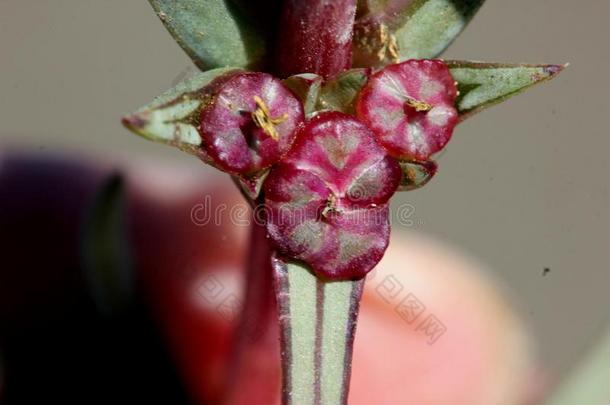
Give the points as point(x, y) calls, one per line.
point(255, 351)
point(317, 318)
point(318, 323)
point(315, 37)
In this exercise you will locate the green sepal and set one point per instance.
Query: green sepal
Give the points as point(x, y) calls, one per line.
point(336, 94)
point(416, 174)
point(306, 87)
point(251, 187)
point(214, 33)
point(340, 93)
point(482, 85)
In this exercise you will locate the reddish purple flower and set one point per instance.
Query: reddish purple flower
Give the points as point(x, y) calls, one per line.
point(327, 201)
point(249, 123)
point(411, 108)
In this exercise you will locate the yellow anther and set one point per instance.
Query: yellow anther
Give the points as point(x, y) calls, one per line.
point(262, 118)
point(388, 47)
point(330, 207)
point(393, 49)
point(419, 106)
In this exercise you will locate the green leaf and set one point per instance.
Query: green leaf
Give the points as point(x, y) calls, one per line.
point(173, 117)
point(318, 322)
point(214, 33)
point(482, 85)
point(105, 249)
point(388, 32)
point(341, 92)
point(432, 25)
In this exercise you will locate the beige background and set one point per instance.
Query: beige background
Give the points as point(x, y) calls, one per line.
point(523, 186)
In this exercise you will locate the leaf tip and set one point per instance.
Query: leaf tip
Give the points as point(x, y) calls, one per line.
point(554, 70)
point(135, 122)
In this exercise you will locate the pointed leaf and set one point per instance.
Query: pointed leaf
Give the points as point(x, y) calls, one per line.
point(172, 118)
point(397, 30)
point(214, 33)
point(482, 85)
point(318, 322)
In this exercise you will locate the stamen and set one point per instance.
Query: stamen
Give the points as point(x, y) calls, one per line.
point(388, 45)
point(330, 206)
point(262, 118)
point(419, 106)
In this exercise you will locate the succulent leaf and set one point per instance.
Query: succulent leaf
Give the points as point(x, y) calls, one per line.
point(410, 108)
point(397, 30)
point(327, 201)
point(482, 85)
point(173, 117)
point(214, 33)
point(318, 323)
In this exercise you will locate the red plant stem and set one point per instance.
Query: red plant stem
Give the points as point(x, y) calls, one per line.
point(255, 358)
point(315, 37)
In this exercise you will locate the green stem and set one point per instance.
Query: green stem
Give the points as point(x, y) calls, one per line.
point(318, 322)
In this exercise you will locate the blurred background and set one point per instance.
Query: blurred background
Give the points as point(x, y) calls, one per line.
point(522, 187)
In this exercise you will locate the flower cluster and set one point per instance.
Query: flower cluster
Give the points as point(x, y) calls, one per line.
point(328, 178)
